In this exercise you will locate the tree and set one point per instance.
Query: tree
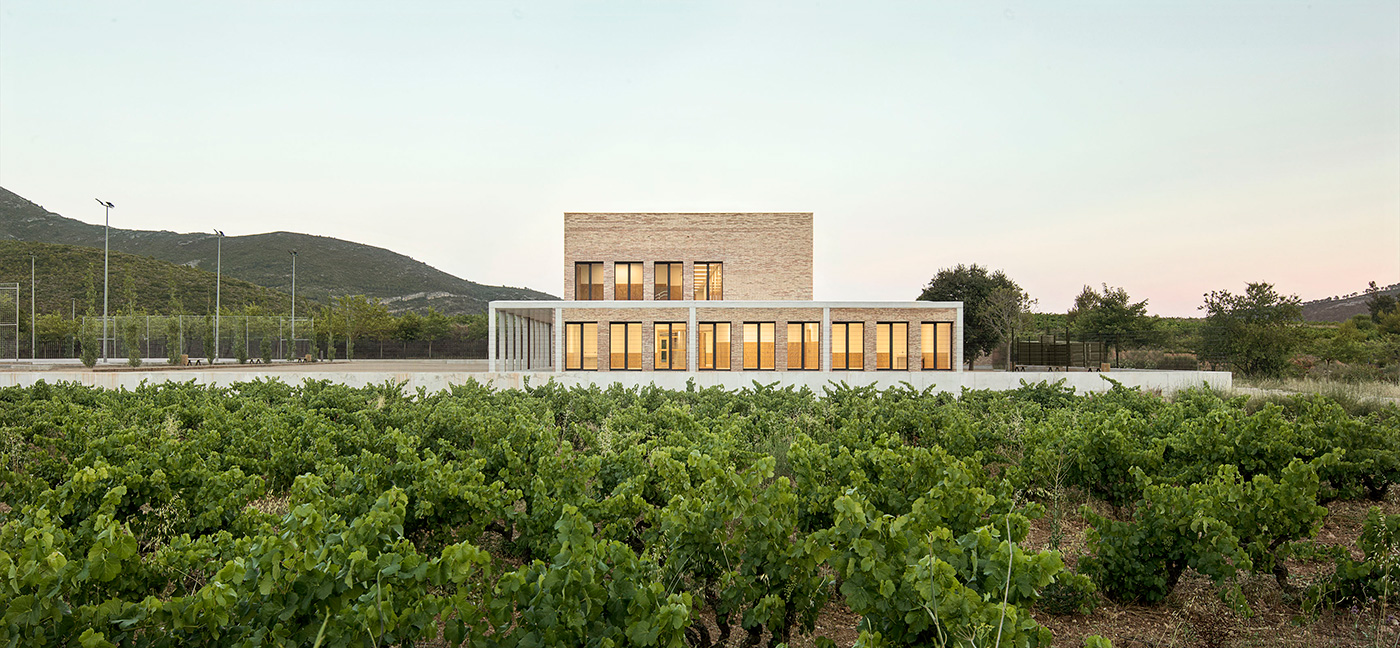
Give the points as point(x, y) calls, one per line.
point(408, 328)
point(1008, 313)
point(364, 317)
point(1380, 303)
point(973, 286)
point(1111, 316)
point(88, 340)
point(435, 326)
point(1347, 345)
point(1255, 333)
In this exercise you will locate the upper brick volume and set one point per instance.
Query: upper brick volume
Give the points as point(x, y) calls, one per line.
point(766, 256)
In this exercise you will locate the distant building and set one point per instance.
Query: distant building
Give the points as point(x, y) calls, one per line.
point(711, 292)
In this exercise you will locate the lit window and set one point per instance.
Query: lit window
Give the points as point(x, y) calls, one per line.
point(627, 279)
point(588, 281)
point(580, 346)
point(936, 344)
point(626, 345)
point(892, 346)
point(758, 345)
point(848, 346)
point(670, 346)
point(713, 339)
point(709, 281)
point(804, 353)
point(668, 281)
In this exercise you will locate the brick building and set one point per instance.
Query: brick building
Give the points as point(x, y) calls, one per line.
point(711, 292)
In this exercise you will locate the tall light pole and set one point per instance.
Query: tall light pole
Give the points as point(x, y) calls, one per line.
point(106, 248)
point(294, 302)
point(33, 336)
point(218, 282)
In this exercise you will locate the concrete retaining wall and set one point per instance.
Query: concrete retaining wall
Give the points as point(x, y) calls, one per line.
point(1166, 382)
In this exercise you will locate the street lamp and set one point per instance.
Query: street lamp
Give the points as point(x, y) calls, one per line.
point(294, 302)
point(218, 282)
point(106, 238)
point(33, 334)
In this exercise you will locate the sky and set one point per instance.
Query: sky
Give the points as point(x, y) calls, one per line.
point(1171, 149)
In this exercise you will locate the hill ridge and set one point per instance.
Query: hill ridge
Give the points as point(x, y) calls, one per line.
point(325, 265)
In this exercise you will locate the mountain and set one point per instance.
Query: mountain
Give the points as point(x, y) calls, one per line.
point(1342, 307)
point(325, 266)
point(68, 280)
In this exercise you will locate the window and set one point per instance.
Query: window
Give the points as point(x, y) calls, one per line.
point(588, 281)
point(758, 345)
point(892, 346)
point(803, 351)
point(626, 343)
point(627, 279)
point(580, 346)
point(848, 346)
point(713, 338)
point(670, 346)
point(936, 343)
point(709, 281)
point(668, 281)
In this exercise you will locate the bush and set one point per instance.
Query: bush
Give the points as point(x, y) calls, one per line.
point(1373, 578)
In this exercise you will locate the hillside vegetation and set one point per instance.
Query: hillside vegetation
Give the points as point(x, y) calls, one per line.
point(325, 266)
point(68, 278)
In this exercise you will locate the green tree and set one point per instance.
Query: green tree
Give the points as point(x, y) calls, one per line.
point(1347, 344)
point(973, 286)
point(1379, 304)
point(364, 317)
point(174, 331)
point(53, 330)
point(1009, 314)
point(435, 326)
point(408, 328)
point(1112, 317)
point(240, 339)
point(1256, 333)
point(88, 341)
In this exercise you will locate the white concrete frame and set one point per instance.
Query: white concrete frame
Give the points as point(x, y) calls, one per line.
point(534, 330)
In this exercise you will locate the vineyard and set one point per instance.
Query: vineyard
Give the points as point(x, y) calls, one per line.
point(323, 515)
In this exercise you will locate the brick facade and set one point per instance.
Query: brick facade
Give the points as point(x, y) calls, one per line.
point(766, 256)
point(767, 277)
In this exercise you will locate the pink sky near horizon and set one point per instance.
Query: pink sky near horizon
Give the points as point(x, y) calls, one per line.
point(1170, 150)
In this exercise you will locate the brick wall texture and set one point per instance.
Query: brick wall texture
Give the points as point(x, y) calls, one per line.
point(766, 256)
